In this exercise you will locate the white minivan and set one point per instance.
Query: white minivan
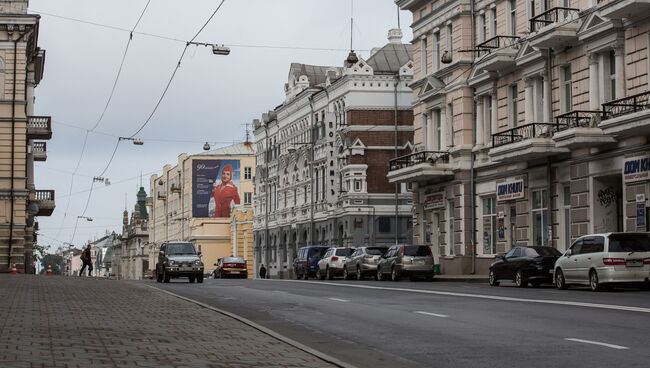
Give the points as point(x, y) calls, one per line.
point(601, 260)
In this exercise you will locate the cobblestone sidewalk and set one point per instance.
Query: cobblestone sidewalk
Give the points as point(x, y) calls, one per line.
point(86, 322)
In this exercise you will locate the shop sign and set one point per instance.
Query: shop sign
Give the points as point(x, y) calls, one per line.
point(434, 201)
point(636, 169)
point(510, 190)
point(640, 211)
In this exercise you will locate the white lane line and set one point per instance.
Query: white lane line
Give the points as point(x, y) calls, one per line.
point(618, 347)
point(432, 314)
point(479, 296)
point(339, 300)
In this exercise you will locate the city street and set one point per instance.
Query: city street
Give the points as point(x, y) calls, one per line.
point(442, 324)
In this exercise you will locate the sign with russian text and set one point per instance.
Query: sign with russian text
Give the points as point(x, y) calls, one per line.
point(510, 190)
point(434, 201)
point(636, 169)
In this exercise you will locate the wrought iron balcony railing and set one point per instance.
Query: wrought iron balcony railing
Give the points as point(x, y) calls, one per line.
point(522, 133)
point(626, 105)
point(551, 16)
point(496, 42)
point(577, 119)
point(419, 157)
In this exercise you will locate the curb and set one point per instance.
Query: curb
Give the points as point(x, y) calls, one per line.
point(275, 335)
point(456, 279)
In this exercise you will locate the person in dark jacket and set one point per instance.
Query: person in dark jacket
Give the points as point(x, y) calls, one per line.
point(87, 260)
point(262, 272)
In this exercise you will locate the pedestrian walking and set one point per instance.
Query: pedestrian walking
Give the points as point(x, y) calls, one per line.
point(262, 271)
point(87, 261)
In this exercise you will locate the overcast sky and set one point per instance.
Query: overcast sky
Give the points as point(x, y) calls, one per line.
point(210, 98)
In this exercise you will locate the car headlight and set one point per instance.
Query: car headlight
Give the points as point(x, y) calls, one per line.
point(171, 262)
point(198, 263)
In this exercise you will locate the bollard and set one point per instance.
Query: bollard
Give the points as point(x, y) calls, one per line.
point(49, 270)
point(14, 271)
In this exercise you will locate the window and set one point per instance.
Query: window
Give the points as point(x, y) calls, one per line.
point(423, 53)
point(540, 217)
point(576, 248)
point(248, 197)
point(248, 173)
point(488, 115)
point(384, 225)
point(436, 51)
point(450, 42)
point(513, 17)
point(531, 8)
point(438, 123)
point(450, 118)
point(493, 13)
point(566, 92)
point(357, 185)
point(489, 225)
point(482, 24)
point(612, 75)
point(514, 101)
point(593, 244)
point(452, 228)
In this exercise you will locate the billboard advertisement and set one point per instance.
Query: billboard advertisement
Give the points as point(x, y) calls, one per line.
point(215, 187)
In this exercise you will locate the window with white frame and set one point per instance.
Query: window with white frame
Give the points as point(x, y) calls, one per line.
point(531, 8)
point(514, 105)
point(357, 185)
point(450, 123)
point(489, 225)
point(248, 173)
point(436, 51)
point(541, 219)
point(488, 115)
point(438, 122)
point(423, 55)
point(513, 17)
point(451, 244)
point(450, 41)
point(493, 13)
point(566, 90)
point(248, 197)
point(611, 75)
point(482, 24)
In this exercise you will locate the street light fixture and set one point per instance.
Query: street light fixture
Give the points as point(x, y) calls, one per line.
point(136, 141)
point(86, 218)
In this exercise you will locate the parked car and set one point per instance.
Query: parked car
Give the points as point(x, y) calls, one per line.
point(305, 263)
point(363, 262)
point(603, 260)
point(406, 260)
point(231, 267)
point(525, 265)
point(179, 259)
point(332, 262)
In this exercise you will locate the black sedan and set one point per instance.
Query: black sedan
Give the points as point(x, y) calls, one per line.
point(525, 265)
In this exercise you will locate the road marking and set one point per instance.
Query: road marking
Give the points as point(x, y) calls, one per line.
point(618, 347)
point(339, 300)
point(432, 314)
point(478, 296)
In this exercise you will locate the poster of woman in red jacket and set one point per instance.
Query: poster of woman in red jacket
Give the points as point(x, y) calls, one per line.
point(225, 194)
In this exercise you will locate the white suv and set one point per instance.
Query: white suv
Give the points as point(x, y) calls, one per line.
point(332, 263)
point(605, 259)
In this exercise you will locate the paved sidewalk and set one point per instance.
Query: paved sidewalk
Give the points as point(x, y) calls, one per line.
point(86, 322)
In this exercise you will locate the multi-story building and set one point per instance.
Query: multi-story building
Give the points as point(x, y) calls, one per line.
point(21, 136)
point(322, 157)
point(531, 124)
point(241, 235)
point(131, 254)
point(192, 201)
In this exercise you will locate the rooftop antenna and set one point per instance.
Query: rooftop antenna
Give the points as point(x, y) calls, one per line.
point(399, 25)
point(351, 24)
point(140, 178)
point(125, 200)
point(248, 132)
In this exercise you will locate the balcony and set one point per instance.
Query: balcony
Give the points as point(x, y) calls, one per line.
point(45, 201)
point(39, 151)
point(420, 166)
point(39, 127)
point(555, 28)
point(628, 116)
point(630, 9)
point(498, 53)
point(579, 128)
point(526, 142)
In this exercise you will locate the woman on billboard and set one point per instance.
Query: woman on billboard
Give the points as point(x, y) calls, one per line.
point(225, 194)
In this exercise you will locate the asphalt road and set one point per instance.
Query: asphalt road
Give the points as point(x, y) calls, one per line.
point(442, 324)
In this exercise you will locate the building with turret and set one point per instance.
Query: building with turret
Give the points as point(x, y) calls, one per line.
point(131, 255)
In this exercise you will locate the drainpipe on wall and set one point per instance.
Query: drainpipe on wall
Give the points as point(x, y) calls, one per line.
point(472, 174)
point(397, 78)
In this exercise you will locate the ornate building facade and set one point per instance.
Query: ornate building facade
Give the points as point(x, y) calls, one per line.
point(322, 157)
point(531, 124)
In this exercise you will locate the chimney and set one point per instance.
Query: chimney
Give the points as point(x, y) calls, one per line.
point(395, 36)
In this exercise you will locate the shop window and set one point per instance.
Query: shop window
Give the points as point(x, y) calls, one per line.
point(540, 218)
point(384, 225)
point(489, 225)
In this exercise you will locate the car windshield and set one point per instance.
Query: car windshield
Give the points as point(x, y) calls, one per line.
point(376, 251)
point(180, 248)
point(317, 252)
point(543, 251)
point(233, 260)
point(417, 251)
point(344, 252)
point(629, 243)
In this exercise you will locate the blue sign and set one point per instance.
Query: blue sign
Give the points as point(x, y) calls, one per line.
point(640, 214)
point(636, 169)
point(510, 190)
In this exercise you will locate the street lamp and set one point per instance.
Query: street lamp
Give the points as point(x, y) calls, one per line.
point(86, 218)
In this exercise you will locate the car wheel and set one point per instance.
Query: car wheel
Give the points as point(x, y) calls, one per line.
point(328, 274)
point(159, 276)
point(191, 279)
point(520, 280)
point(359, 274)
point(199, 279)
point(345, 274)
point(379, 276)
point(319, 274)
point(298, 275)
point(492, 279)
point(594, 283)
point(394, 275)
point(166, 277)
point(560, 283)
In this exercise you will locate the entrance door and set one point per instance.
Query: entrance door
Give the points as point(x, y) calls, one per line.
point(608, 204)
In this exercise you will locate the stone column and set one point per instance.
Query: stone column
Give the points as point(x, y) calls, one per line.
point(547, 116)
point(619, 57)
point(443, 130)
point(529, 112)
point(480, 132)
point(594, 93)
